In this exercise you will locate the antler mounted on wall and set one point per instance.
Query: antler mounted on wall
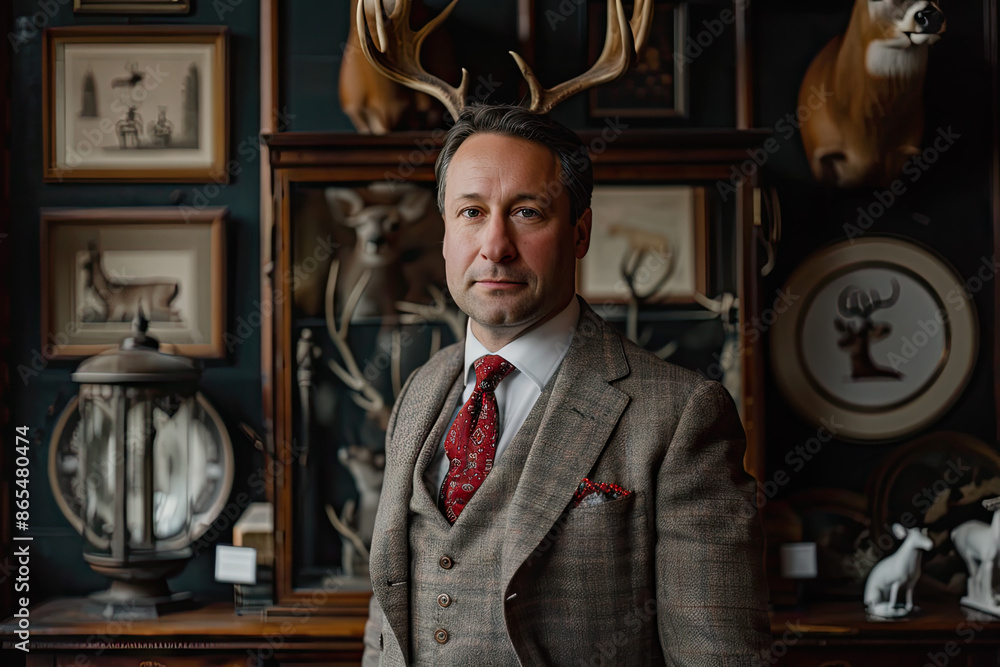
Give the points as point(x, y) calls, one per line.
point(395, 51)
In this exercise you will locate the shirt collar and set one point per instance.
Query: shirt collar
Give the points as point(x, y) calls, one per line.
point(537, 353)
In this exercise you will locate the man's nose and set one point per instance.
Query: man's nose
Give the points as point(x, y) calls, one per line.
point(497, 245)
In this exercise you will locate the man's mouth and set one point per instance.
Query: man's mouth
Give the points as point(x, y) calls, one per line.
point(499, 283)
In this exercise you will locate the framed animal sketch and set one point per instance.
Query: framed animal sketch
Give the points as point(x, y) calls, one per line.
point(135, 103)
point(882, 338)
point(656, 85)
point(647, 243)
point(100, 266)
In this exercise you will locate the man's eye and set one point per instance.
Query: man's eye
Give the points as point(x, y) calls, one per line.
point(527, 213)
point(469, 213)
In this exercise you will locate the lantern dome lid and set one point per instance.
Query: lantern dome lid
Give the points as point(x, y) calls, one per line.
point(137, 360)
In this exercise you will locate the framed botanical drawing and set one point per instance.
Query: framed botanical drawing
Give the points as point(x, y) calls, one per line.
point(646, 240)
point(135, 103)
point(880, 339)
point(100, 266)
point(656, 85)
point(131, 6)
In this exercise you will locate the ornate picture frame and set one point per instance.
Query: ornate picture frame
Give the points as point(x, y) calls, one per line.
point(881, 375)
point(98, 265)
point(135, 103)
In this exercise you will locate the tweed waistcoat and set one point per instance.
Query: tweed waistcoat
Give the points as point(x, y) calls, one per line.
point(473, 617)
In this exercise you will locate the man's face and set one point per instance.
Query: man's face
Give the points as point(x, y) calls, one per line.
point(510, 248)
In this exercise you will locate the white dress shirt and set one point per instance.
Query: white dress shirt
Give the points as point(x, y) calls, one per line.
point(536, 356)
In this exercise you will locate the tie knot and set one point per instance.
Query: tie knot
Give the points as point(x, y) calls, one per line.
point(490, 370)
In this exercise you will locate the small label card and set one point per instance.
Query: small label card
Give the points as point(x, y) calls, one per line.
point(235, 565)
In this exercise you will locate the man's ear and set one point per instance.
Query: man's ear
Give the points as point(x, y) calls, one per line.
point(582, 233)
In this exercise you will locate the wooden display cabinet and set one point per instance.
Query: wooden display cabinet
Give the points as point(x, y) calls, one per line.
point(307, 569)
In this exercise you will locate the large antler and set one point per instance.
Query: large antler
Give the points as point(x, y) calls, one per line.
point(854, 302)
point(397, 53)
point(622, 42)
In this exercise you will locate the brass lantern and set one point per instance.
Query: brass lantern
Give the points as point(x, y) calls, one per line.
point(146, 470)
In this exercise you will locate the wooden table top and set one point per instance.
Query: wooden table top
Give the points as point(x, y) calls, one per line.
point(832, 619)
point(66, 617)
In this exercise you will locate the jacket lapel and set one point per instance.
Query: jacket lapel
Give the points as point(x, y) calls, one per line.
point(389, 559)
point(582, 412)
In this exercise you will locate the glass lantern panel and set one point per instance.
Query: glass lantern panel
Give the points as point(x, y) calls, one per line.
point(174, 426)
point(97, 455)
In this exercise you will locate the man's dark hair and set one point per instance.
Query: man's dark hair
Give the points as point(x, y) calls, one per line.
point(576, 173)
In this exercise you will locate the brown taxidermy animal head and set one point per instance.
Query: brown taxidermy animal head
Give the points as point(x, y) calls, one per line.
point(896, 31)
point(861, 100)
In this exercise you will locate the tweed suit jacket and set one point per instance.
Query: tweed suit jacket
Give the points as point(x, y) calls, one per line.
point(670, 574)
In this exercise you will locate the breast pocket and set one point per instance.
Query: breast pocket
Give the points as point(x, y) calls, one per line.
point(601, 536)
point(598, 557)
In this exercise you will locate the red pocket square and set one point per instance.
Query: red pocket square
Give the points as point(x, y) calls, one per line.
point(594, 493)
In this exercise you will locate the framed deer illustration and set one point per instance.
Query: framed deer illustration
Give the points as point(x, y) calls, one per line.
point(879, 339)
point(101, 266)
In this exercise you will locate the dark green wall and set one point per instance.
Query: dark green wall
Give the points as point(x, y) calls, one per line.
point(232, 385)
point(480, 32)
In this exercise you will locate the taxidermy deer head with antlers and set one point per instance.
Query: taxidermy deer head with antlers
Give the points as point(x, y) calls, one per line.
point(394, 50)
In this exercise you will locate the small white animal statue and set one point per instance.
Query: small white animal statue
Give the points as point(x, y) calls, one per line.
point(357, 521)
point(977, 543)
point(861, 100)
point(901, 569)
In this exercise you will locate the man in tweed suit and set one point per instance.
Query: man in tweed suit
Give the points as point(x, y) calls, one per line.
point(614, 523)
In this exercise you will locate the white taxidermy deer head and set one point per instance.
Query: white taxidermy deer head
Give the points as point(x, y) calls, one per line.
point(377, 217)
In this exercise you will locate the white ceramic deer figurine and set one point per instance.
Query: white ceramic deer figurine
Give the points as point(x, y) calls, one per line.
point(901, 569)
point(978, 543)
point(357, 523)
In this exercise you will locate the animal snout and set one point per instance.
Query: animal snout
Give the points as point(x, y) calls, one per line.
point(930, 19)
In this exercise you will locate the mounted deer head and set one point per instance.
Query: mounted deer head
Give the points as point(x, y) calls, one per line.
point(855, 302)
point(865, 92)
point(378, 215)
point(394, 50)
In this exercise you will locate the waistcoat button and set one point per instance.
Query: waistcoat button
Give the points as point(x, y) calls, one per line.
point(440, 636)
point(444, 599)
point(445, 562)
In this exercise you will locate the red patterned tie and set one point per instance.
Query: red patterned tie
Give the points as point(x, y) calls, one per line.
point(472, 439)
